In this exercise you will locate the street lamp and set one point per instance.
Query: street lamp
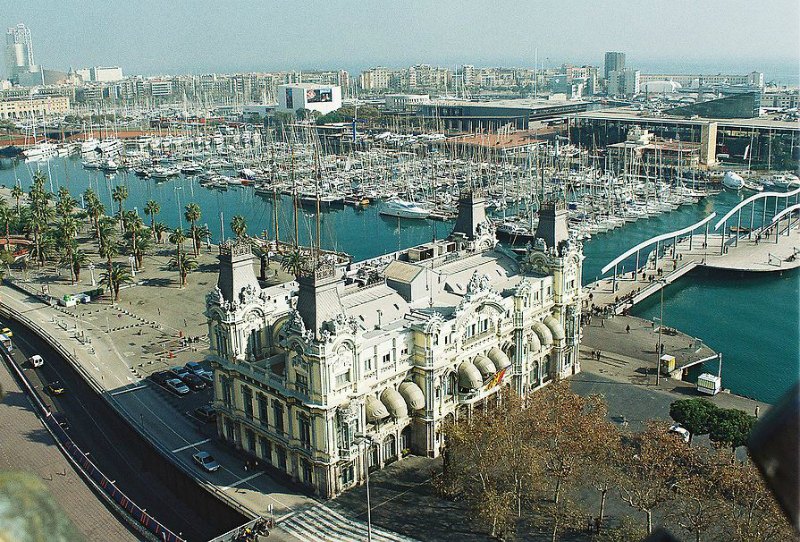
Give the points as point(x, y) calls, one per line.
point(361, 439)
point(178, 203)
point(660, 347)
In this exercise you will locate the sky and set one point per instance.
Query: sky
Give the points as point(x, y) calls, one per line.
point(153, 37)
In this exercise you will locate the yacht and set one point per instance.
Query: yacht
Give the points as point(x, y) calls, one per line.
point(404, 209)
point(90, 145)
point(732, 180)
point(41, 150)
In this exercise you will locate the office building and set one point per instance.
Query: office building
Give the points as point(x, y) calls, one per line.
point(320, 98)
point(355, 365)
point(615, 62)
point(19, 52)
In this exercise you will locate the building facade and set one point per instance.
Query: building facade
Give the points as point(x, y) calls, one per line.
point(27, 108)
point(19, 52)
point(320, 98)
point(614, 62)
point(355, 365)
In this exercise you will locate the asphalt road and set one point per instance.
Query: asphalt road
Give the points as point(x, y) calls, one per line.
point(144, 475)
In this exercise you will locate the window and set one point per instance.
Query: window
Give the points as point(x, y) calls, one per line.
point(347, 474)
point(247, 399)
point(277, 413)
point(266, 449)
point(222, 342)
point(404, 351)
point(342, 379)
point(262, 409)
point(307, 472)
point(304, 425)
point(484, 325)
point(368, 363)
point(227, 394)
point(301, 383)
point(386, 358)
point(254, 343)
point(229, 434)
point(281, 453)
point(250, 437)
point(571, 284)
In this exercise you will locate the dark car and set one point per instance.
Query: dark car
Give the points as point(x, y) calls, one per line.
point(206, 413)
point(194, 368)
point(161, 377)
point(61, 420)
point(207, 377)
point(55, 387)
point(179, 372)
point(194, 382)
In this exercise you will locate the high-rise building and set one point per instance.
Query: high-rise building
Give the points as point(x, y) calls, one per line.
point(625, 83)
point(615, 62)
point(19, 51)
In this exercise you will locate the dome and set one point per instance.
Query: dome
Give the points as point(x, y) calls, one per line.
point(375, 410)
point(535, 343)
point(394, 402)
point(544, 333)
point(499, 358)
point(485, 366)
point(413, 395)
point(469, 377)
point(555, 327)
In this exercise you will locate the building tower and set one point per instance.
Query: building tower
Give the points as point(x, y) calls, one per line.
point(19, 51)
point(615, 62)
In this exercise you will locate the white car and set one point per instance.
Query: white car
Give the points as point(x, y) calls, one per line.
point(206, 461)
point(36, 360)
point(681, 431)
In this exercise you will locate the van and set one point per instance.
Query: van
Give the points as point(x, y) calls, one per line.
point(5, 341)
point(36, 360)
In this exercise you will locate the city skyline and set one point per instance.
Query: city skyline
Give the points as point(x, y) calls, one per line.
point(269, 36)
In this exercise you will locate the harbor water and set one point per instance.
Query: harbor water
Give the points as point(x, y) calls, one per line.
point(752, 319)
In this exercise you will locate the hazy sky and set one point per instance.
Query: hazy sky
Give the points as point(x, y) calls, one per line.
point(179, 36)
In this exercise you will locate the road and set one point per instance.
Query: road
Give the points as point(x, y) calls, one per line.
point(147, 478)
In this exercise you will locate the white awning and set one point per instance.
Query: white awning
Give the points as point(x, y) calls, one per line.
point(544, 333)
point(469, 377)
point(375, 410)
point(413, 395)
point(394, 403)
point(535, 343)
point(485, 366)
point(499, 358)
point(555, 327)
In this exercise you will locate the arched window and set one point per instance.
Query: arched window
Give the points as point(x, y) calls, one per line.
point(389, 448)
point(534, 375)
point(546, 368)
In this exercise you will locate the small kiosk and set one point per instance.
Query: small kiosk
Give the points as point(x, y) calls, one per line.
point(709, 384)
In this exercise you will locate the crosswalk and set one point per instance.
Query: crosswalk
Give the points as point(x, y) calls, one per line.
point(322, 524)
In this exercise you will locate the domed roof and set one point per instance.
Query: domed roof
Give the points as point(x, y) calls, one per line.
point(555, 327)
point(375, 410)
point(394, 403)
point(469, 377)
point(413, 395)
point(535, 343)
point(544, 333)
point(499, 358)
point(485, 366)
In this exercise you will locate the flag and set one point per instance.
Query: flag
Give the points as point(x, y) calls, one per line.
point(496, 380)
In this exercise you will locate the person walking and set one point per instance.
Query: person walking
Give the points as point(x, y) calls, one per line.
point(628, 329)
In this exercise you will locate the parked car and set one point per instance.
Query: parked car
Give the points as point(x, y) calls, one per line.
point(207, 377)
point(206, 413)
point(7, 332)
point(206, 461)
point(194, 382)
point(161, 377)
point(55, 388)
point(179, 371)
point(177, 386)
point(195, 367)
point(681, 431)
point(36, 360)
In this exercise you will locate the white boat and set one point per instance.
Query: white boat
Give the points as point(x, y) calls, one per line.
point(41, 150)
point(109, 165)
point(732, 180)
point(89, 145)
point(109, 146)
point(403, 209)
point(785, 181)
point(164, 173)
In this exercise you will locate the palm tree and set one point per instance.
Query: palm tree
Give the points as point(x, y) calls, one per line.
point(134, 227)
point(203, 232)
point(67, 231)
point(40, 214)
point(239, 226)
point(94, 208)
point(66, 203)
point(79, 261)
point(159, 229)
point(294, 262)
point(115, 277)
point(6, 216)
point(178, 238)
point(192, 215)
point(143, 244)
point(184, 264)
point(152, 208)
point(119, 195)
point(17, 193)
point(108, 248)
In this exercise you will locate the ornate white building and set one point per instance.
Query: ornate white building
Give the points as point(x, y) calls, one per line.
point(389, 348)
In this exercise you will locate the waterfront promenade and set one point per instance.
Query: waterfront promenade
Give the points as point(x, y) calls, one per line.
point(28, 447)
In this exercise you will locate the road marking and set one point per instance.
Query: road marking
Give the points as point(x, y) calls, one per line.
point(243, 480)
point(198, 443)
point(120, 392)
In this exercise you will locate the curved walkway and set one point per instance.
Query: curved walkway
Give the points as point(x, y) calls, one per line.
point(27, 446)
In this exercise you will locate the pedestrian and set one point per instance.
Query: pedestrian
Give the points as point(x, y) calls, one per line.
point(602, 322)
point(662, 349)
point(159, 311)
point(628, 329)
point(758, 409)
point(184, 322)
point(246, 465)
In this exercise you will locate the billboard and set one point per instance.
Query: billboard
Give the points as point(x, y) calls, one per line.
point(316, 95)
point(289, 99)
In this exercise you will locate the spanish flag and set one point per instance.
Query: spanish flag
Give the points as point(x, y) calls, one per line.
point(496, 379)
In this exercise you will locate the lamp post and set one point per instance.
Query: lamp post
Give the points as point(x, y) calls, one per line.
point(361, 440)
point(660, 327)
point(178, 203)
